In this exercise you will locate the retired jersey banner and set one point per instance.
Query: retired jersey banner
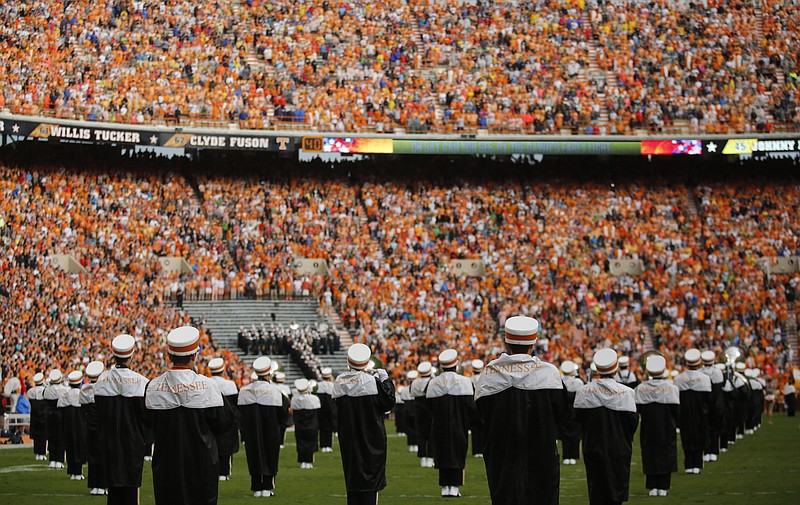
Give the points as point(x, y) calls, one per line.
point(147, 136)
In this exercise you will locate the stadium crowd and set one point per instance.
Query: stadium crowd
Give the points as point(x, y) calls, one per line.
point(546, 246)
point(505, 65)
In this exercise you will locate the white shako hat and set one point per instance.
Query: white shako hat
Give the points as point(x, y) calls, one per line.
point(756, 372)
point(740, 367)
point(692, 357)
point(748, 373)
point(720, 366)
point(326, 372)
point(55, 376)
point(94, 369)
point(123, 346)
point(448, 358)
point(569, 367)
point(606, 361)
point(358, 356)
point(477, 365)
point(75, 377)
point(424, 369)
point(301, 385)
point(521, 330)
point(708, 357)
point(280, 377)
point(674, 373)
point(655, 365)
point(623, 361)
point(183, 341)
point(38, 378)
point(412, 375)
point(262, 366)
point(216, 365)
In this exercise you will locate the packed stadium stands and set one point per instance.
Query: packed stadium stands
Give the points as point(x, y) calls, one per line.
point(388, 237)
point(504, 66)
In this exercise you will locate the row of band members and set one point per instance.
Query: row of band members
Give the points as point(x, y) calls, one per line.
point(516, 409)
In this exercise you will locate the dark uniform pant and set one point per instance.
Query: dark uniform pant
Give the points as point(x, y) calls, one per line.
point(225, 464)
point(123, 496)
point(57, 450)
point(693, 459)
point(658, 481)
point(356, 498)
point(451, 477)
point(572, 448)
point(262, 482)
point(74, 467)
point(325, 438)
point(713, 444)
point(40, 446)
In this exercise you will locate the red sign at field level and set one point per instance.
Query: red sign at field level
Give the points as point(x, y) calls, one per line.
point(669, 147)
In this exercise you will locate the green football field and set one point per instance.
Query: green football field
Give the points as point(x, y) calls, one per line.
point(762, 468)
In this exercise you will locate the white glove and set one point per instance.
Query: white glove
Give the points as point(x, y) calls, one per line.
point(382, 375)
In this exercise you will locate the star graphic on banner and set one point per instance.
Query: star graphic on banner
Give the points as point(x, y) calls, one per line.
point(15, 128)
point(712, 147)
point(154, 140)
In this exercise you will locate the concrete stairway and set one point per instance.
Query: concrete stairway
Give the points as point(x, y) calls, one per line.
point(592, 70)
point(791, 334)
point(224, 317)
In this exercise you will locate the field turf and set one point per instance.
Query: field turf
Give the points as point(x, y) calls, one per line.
point(762, 468)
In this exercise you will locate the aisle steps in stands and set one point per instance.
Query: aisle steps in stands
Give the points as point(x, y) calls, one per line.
point(791, 334)
point(691, 203)
point(779, 78)
point(592, 70)
point(256, 61)
point(224, 317)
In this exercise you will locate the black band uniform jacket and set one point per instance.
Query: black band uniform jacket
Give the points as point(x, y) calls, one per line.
point(119, 399)
point(264, 410)
point(658, 401)
point(361, 402)
point(187, 413)
point(606, 410)
point(521, 402)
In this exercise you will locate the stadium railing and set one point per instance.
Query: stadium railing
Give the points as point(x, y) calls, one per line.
point(15, 421)
point(272, 124)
